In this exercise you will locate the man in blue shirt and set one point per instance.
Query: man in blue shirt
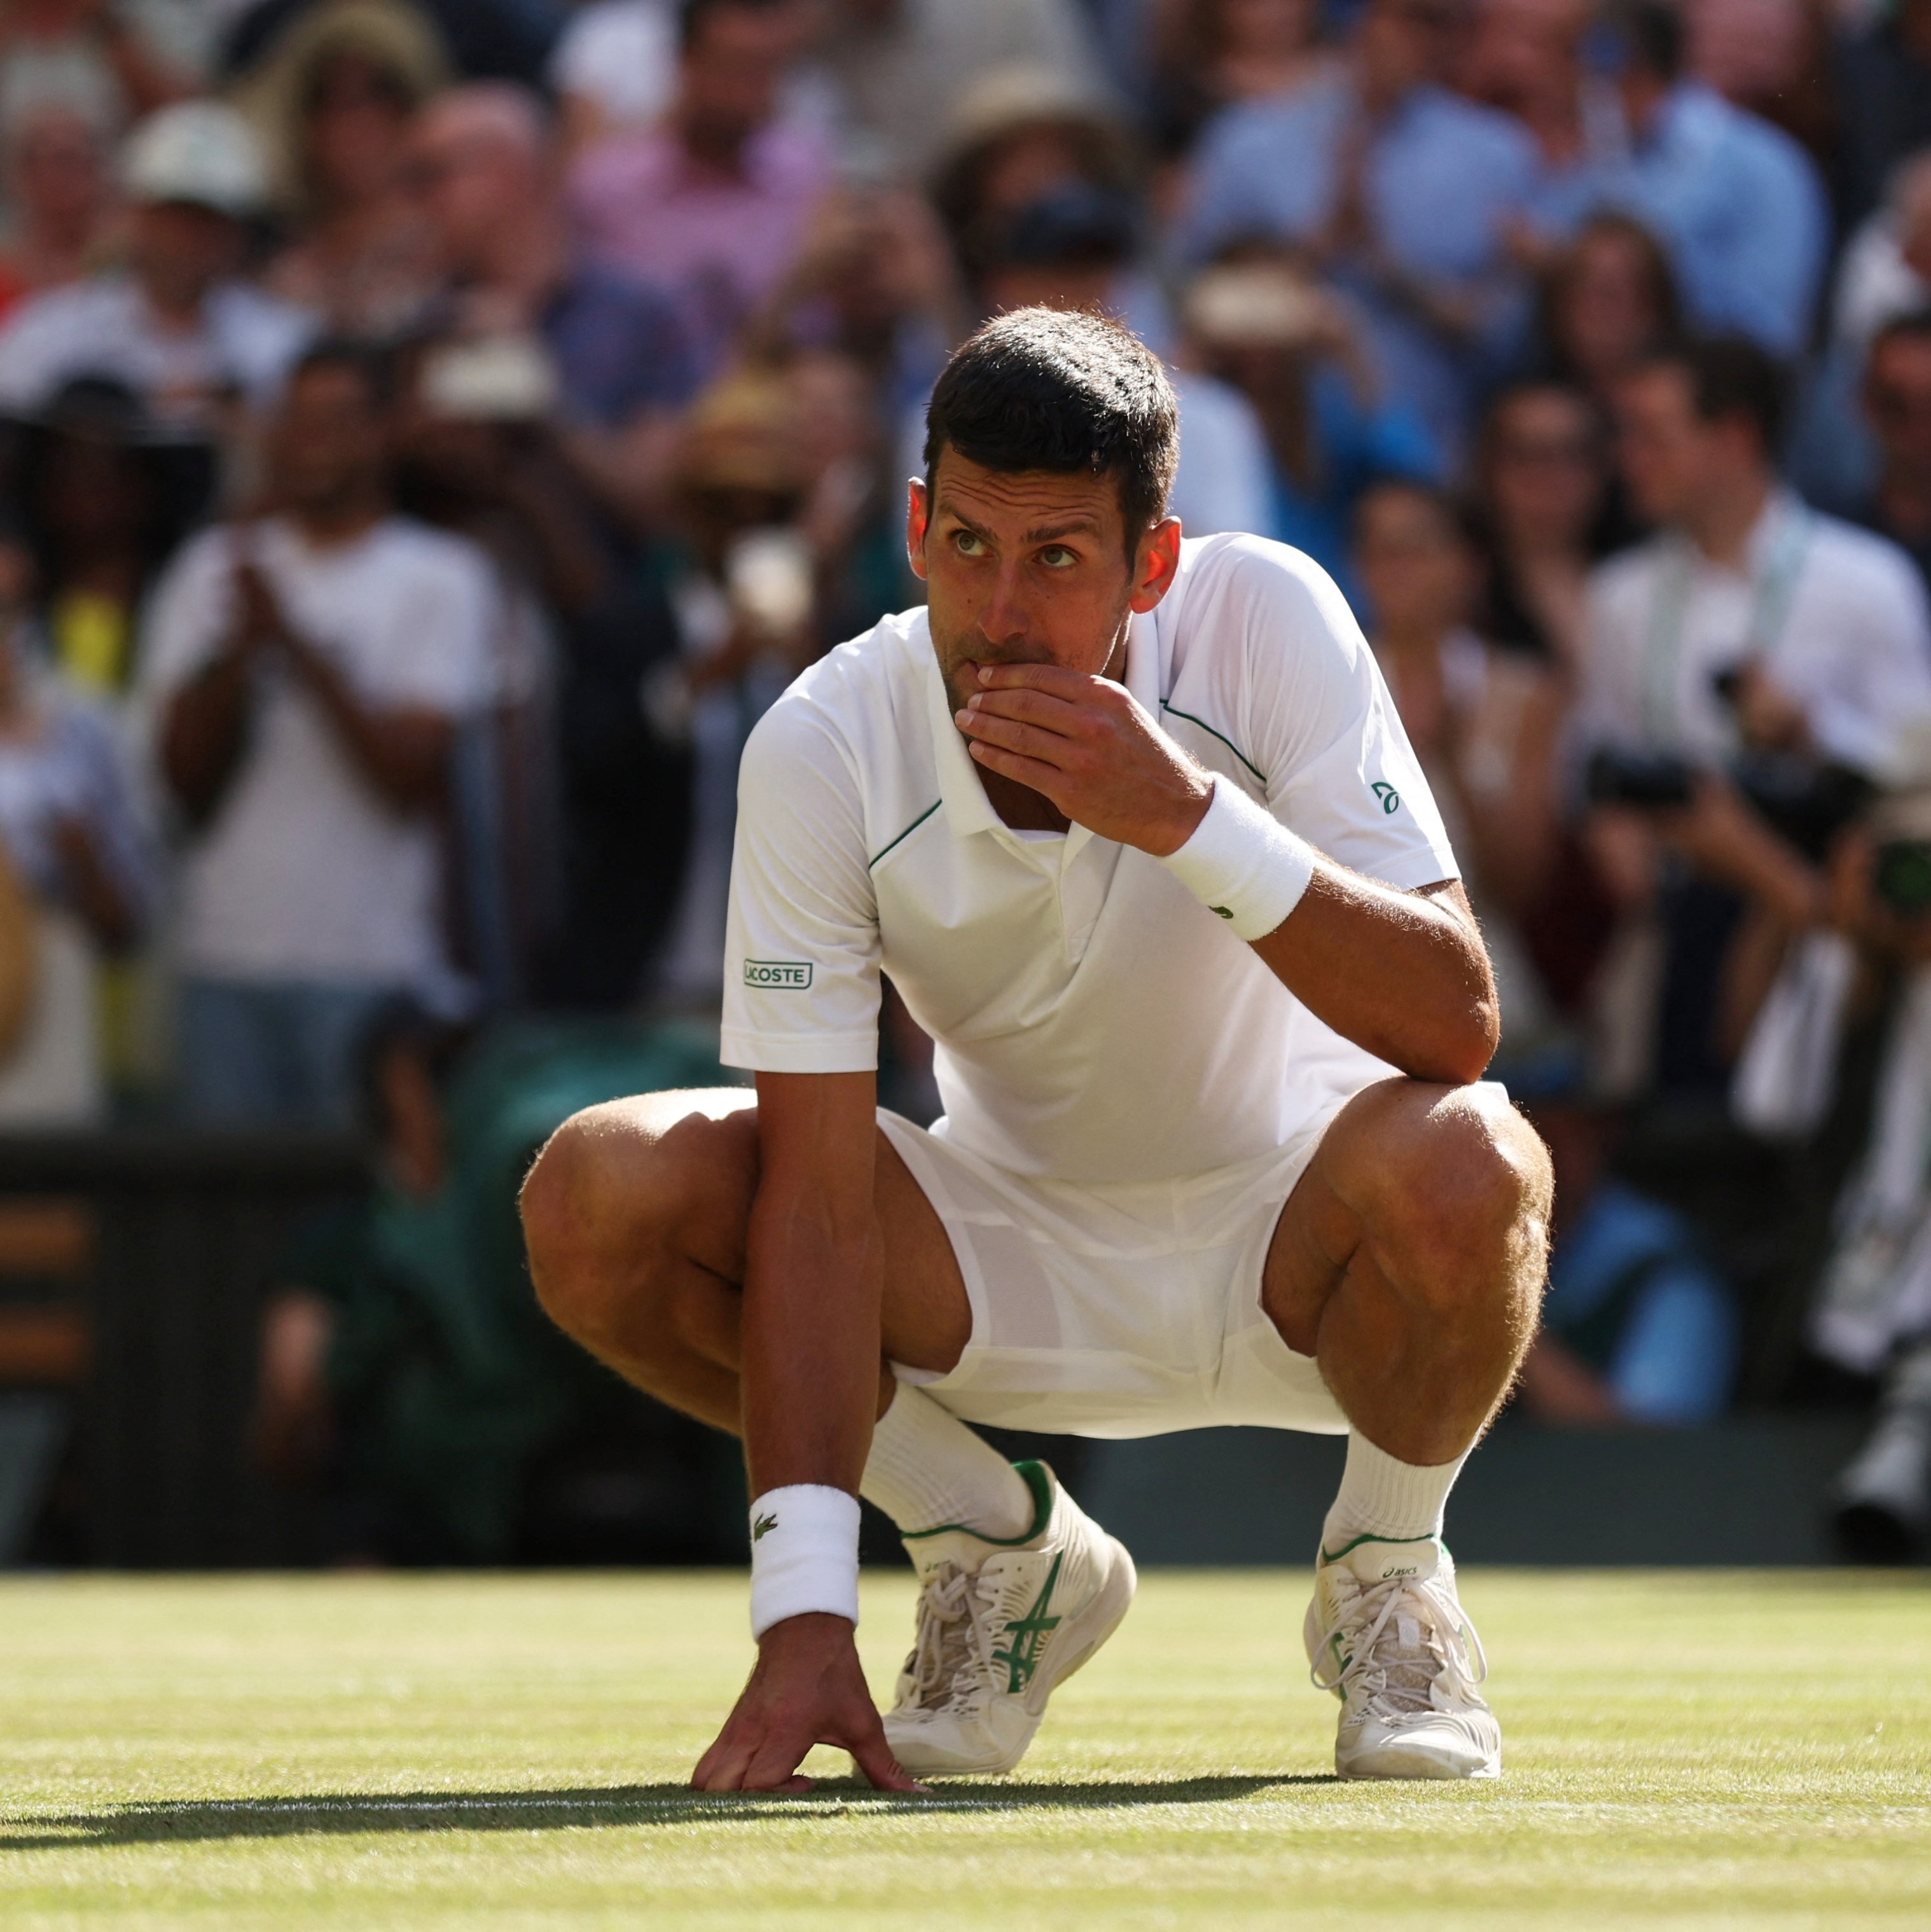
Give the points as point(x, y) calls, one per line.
point(1736, 201)
point(1405, 191)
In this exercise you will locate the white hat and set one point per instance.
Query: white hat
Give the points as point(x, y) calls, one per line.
point(198, 151)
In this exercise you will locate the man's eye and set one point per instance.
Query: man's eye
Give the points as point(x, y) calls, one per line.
point(966, 543)
point(1056, 557)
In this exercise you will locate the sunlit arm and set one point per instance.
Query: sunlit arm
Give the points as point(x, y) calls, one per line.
point(813, 1283)
point(1404, 975)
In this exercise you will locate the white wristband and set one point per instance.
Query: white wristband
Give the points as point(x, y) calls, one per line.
point(1243, 863)
point(804, 1555)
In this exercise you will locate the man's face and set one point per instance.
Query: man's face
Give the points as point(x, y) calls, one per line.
point(1402, 43)
point(331, 444)
point(181, 250)
point(1897, 399)
point(733, 71)
point(1608, 309)
point(56, 170)
point(470, 177)
point(1413, 562)
point(1672, 458)
point(1030, 567)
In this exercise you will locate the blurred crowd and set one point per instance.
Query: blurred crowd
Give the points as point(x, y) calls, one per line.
point(434, 429)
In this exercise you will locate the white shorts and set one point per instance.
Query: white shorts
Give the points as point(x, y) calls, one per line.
point(1121, 1310)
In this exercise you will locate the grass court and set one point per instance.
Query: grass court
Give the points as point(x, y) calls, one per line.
point(1686, 1749)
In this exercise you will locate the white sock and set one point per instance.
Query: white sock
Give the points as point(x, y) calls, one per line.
point(927, 1469)
point(1380, 1497)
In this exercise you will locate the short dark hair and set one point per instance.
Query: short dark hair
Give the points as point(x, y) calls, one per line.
point(372, 365)
point(1730, 376)
point(692, 15)
point(1042, 388)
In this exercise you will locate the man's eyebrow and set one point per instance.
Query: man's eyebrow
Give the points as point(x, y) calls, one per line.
point(943, 508)
point(1039, 534)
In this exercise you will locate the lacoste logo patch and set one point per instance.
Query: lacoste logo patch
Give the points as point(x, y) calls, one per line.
point(777, 975)
point(763, 1523)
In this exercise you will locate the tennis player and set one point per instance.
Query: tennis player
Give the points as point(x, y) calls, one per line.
point(1132, 824)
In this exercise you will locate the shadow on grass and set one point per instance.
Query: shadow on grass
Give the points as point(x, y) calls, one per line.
point(596, 1807)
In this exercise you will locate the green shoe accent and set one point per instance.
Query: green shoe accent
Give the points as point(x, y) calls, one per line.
point(1335, 1555)
point(1028, 1633)
point(1035, 1478)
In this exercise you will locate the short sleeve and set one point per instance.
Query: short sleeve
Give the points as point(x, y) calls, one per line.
point(802, 945)
point(1322, 729)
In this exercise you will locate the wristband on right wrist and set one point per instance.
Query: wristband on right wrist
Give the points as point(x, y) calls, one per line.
point(1242, 863)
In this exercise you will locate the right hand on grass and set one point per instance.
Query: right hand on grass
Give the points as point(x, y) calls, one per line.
point(806, 1689)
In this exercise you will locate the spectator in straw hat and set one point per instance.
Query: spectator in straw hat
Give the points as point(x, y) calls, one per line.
point(178, 325)
point(334, 104)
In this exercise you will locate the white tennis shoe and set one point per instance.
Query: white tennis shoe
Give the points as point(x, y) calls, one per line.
point(1386, 1633)
point(1001, 1625)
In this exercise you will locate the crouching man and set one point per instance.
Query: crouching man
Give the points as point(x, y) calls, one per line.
point(1132, 826)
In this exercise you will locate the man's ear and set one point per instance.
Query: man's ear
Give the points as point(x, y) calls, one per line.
point(1154, 562)
point(918, 517)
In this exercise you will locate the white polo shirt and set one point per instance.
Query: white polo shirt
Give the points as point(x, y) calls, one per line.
point(1093, 1021)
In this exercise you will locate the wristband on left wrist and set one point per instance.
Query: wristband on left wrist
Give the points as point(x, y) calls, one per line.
point(804, 1555)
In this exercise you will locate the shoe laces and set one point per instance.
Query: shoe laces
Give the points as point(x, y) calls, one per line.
point(1410, 1650)
point(951, 1661)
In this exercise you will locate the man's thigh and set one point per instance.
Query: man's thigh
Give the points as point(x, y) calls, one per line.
point(1397, 1158)
point(683, 1168)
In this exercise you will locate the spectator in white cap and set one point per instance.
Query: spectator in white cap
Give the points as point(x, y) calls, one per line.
point(176, 324)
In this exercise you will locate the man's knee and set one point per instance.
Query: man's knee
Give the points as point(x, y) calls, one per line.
point(1465, 1188)
point(607, 1200)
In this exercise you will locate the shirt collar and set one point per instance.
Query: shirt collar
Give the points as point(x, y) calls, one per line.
point(1771, 529)
point(968, 808)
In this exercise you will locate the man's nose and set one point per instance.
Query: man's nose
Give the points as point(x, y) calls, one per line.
point(1004, 619)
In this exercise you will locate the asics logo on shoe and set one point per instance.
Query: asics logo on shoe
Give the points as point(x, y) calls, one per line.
point(1029, 1634)
point(763, 1523)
